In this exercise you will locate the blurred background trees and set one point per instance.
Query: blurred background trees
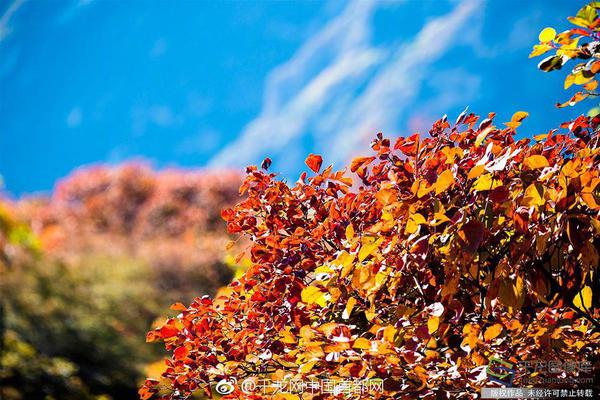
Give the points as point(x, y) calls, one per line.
point(88, 270)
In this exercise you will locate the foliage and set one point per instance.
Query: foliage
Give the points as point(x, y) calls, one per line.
point(454, 248)
point(581, 42)
point(26, 374)
point(86, 272)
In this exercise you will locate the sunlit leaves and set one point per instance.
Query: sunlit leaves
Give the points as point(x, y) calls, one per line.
point(516, 119)
point(485, 182)
point(442, 248)
point(314, 162)
point(583, 299)
point(536, 161)
point(444, 181)
point(414, 221)
point(534, 195)
point(492, 332)
point(539, 49)
point(349, 307)
point(368, 245)
point(547, 35)
point(314, 295)
point(580, 42)
point(360, 163)
point(433, 324)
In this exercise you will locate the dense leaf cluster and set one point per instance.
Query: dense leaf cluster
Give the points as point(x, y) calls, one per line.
point(449, 250)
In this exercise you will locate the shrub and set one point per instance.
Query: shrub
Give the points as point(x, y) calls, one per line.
point(454, 248)
point(85, 272)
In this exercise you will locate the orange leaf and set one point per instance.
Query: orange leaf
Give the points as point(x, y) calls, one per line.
point(181, 353)
point(314, 162)
point(536, 161)
point(492, 332)
point(178, 307)
point(360, 162)
point(444, 181)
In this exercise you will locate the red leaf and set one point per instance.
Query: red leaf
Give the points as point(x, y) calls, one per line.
point(168, 331)
point(257, 296)
point(227, 214)
point(314, 162)
point(181, 353)
point(266, 163)
point(472, 235)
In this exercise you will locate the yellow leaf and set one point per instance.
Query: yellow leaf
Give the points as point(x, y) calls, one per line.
point(420, 188)
point(307, 367)
point(539, 49)
point(536, 161)
point(287, 337)
point(516, 119)
point(485, 182)
point(583, 299)
point(286, 396)
point(569, 80)
point(470, 335)
point(323, 273)
point(580, 79)
point(571, 168)
point(579, 21)
point(452, 153)
point(492, 332)
point(569, 50)
point(344, 260)
point(444, 181)
point(413, 223)
point(433, 323)
point(349, 232)
point(440, 218)
point(368, 246)
point(370, 314)
point(349, 307)
point(547, 35)
point(389, 332)
point(362, 343)
point(534, 195)
point(314, 295)
point(482, 135)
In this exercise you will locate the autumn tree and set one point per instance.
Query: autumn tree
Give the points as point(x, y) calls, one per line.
point(429, 257)
point(88, 269)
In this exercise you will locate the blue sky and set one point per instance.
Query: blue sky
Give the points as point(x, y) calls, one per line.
point(224, 84)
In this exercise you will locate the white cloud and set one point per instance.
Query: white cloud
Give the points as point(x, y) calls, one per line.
point(5, 28)
point(341, 88)
point(73, 10)
point(330, 61)
point(396, 85)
